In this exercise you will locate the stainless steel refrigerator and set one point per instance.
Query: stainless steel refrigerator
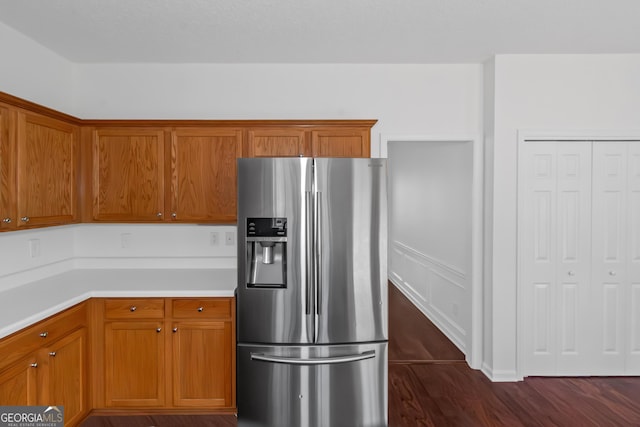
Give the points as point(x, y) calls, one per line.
point(312, 292)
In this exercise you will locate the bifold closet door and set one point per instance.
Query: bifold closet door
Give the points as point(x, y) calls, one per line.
point(555, 240)
point(616, 258)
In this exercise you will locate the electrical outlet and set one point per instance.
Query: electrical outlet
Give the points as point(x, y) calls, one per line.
point(125, 240)
point(214, 238)
point(229, 238)
point(34, 248)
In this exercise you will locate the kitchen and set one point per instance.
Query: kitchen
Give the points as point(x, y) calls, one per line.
point(487, 100)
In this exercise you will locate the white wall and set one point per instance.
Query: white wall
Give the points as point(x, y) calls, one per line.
point(410, 99)
point(430, 211)
point(30, 71)
point(544, 93)
point(58, 249)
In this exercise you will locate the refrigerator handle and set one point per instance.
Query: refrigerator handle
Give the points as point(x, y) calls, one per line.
point(314, 360)
point(309, 254)
point(318, 261)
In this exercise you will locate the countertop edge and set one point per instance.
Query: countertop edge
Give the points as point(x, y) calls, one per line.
point(15, 323)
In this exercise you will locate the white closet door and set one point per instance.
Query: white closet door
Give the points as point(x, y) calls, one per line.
point(610, 256)
point(555, 258)
point(633, 271)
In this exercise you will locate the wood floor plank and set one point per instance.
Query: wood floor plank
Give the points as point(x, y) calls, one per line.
point(412, 336)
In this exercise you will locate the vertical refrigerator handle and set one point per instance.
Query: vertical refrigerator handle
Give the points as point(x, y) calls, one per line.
point(309, 253)
point(318, 251)
point(317, 263)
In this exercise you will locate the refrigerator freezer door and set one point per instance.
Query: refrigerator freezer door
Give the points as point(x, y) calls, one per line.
point(312, 386)
point(280, 189)
point(351, 204)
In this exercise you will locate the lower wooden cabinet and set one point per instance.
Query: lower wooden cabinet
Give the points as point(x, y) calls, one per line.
point(67, 376)
point(18, 383)
point(202, 364)
point(125, 354)
point(165, 353)
point(51, 365)
point(134, 364)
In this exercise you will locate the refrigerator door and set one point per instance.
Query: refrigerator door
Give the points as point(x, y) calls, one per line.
point(312, 386)
point(277, 188)
point(351, 255)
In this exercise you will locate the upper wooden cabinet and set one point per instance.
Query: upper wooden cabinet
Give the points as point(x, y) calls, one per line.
point(341, 142)
point(279, 141)
point(203, 174)
point(310, 141)
point(58, 169)
point(7, 169)
point(47, 165)
point(127, 174)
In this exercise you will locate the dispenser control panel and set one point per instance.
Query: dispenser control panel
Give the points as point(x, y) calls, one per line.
point(266, 227)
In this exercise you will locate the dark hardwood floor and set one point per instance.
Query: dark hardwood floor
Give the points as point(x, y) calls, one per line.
point(431, 385)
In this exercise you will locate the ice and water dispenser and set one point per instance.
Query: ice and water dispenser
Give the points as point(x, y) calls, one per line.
point(266, 243)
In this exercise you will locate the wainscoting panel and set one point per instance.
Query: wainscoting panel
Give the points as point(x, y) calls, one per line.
point(441, 291)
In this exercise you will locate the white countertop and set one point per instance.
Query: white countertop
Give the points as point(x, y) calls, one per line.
point(27, 304)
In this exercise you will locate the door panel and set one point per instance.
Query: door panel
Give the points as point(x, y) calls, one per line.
point(341, 394)
point(352, 250)
point(632, 304)
point(275, 188)
point(609, 255)
point(554, 263)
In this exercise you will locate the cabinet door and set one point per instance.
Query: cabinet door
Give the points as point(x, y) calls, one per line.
point(67, 376)
point(277, 142)
point(18, 383)
point(555, 250)
point(134, 364)
point(47, 165)
point(202, 364)
point(203, 174)
point(128, 174)
point(341, 142)
point(7, 169)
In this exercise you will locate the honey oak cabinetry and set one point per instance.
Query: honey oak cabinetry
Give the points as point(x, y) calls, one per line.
point(203, 342)
point(165, 353)
point(203, 174)
point(134, 353)
point(39, 163)
point(280, 141)
point(46, 364)
point(341, 142)
point(7, 168)
point(337, 140)
point(155, 174)
point(127, 174)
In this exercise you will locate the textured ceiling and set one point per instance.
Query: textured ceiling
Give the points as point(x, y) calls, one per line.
point(322, 31)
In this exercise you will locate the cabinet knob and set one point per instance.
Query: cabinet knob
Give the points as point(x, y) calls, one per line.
point(7, 220)
point(34, 365)
point(175, 329)
point(612, 273)
point(200, 309)
point(133, 308)
point(174, 215)
point(52, 354)
point(159, 214)
point(44, 334)
point(25, 219)
point(158, 330)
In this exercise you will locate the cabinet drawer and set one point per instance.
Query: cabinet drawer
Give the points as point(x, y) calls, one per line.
point(134, 308)
point(204, 308)
point(41, 334)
